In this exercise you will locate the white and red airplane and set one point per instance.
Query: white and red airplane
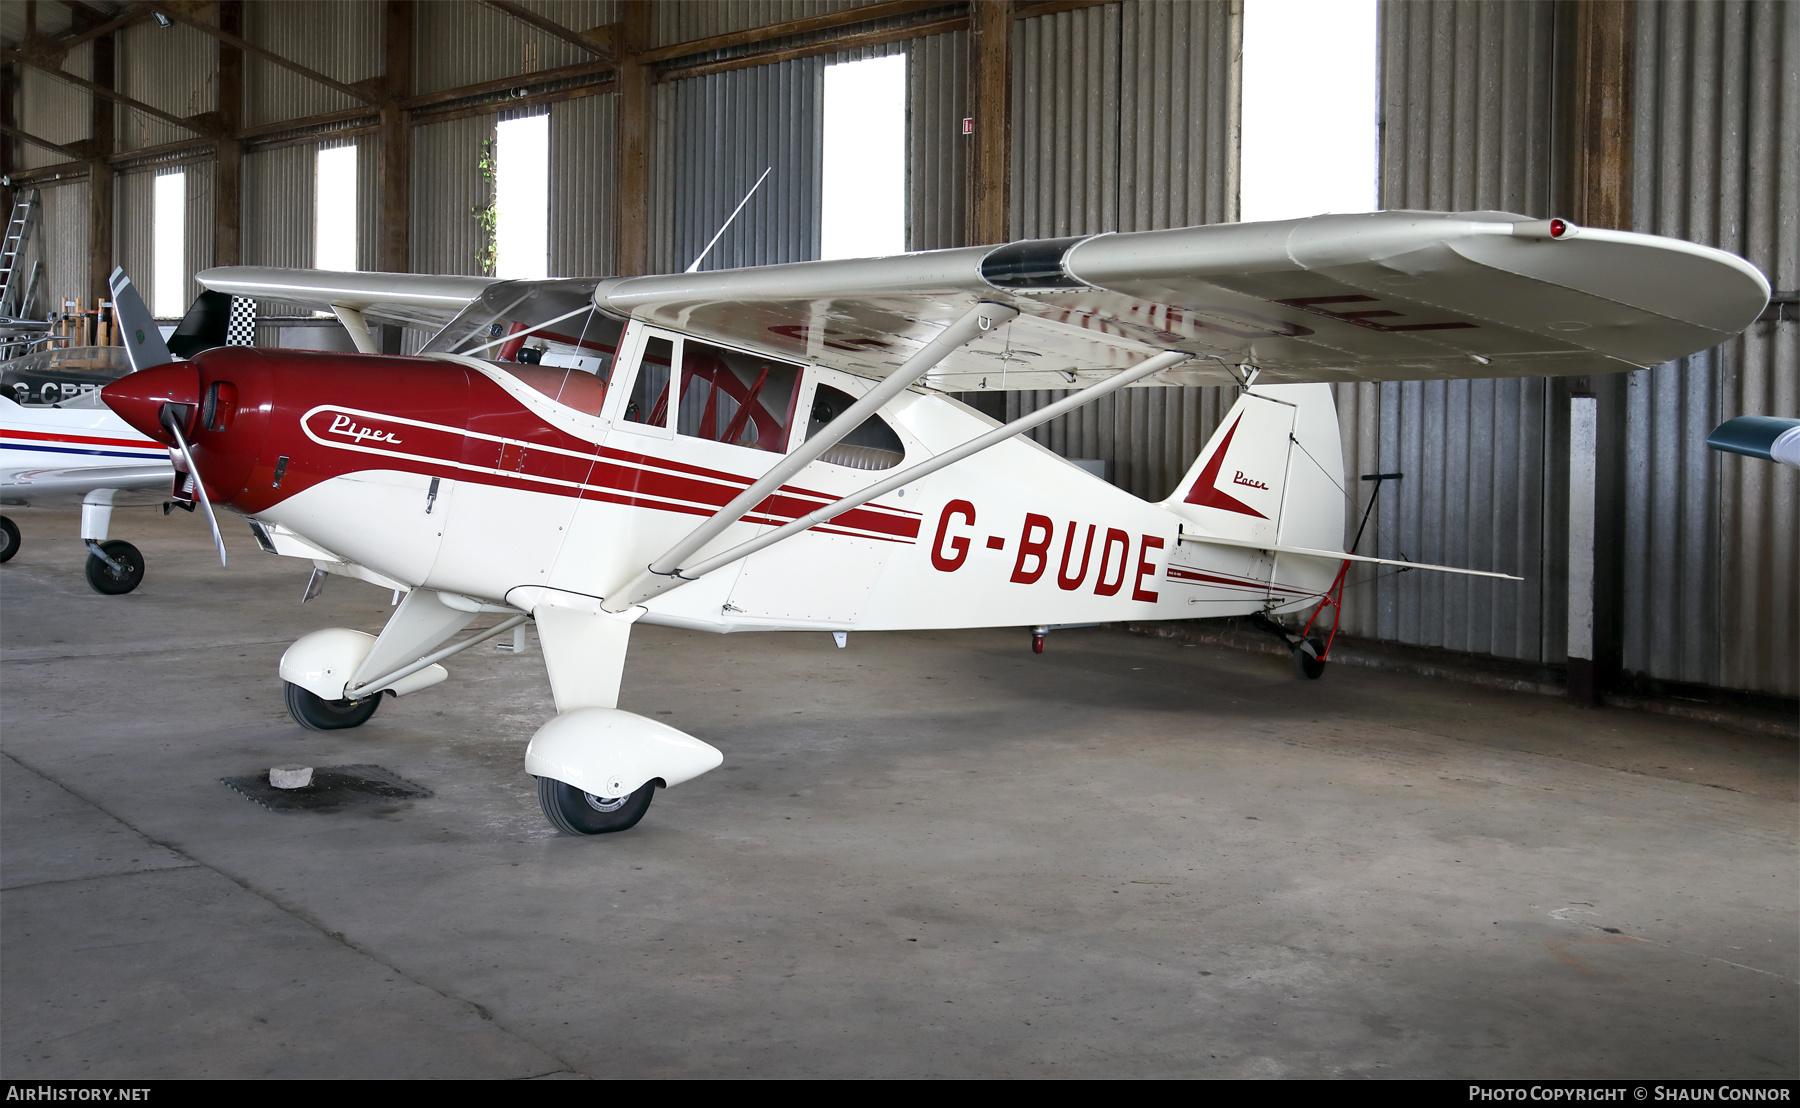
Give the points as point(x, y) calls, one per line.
point(60, 446)
point(772, 448)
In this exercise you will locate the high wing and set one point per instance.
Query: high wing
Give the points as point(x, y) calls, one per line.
point(411, 299)
point(1374, 297)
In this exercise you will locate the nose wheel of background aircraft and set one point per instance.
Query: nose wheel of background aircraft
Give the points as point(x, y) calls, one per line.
point(122, 575)
point(9, 539)
point(315, 713)
point(579, 813)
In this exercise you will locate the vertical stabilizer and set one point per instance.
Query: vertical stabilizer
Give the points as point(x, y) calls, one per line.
point(137, 327)
point(1273, 471)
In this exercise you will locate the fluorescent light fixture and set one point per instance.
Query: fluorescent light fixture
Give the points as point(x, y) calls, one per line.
point(522, 198)
point(863, 198)
point(1309, 110)
point(168, 244)
point(334, 209)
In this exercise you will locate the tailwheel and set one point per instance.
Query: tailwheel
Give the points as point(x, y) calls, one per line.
point(125, 570)
point(315, 713)
point(1309, 659)
point(9, 539)
point(1037, 639)
point(577, 813)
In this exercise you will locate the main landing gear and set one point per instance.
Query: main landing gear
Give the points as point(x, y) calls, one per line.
point(9, 539)
point(315, 713)
point(578, 813)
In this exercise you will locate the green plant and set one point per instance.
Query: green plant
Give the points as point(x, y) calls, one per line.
point(487, 215)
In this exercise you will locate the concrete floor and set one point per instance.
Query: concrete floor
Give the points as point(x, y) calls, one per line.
point(928, 854)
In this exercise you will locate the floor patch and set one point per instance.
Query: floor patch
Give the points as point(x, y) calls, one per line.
point(332, 788)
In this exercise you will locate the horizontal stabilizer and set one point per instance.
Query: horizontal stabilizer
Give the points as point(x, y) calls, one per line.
point(1339, 556)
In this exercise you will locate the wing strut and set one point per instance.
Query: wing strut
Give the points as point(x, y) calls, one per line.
point(929, 466)
point(664, 573)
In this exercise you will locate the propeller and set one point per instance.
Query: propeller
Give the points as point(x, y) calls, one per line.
point(172, 421)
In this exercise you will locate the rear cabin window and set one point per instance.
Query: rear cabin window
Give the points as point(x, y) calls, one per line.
point(736, 398)
point(873, 445)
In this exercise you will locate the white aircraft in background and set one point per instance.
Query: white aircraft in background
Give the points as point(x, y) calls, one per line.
point(772, 448)
point(60, 446)
point(1770, 438)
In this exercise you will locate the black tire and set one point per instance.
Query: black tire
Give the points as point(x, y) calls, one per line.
point(110, 582)
point(1309, 665)
point(315, 713)
point(577, 813)
point(9, 539)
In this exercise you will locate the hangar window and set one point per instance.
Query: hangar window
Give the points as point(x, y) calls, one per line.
point(334, 208)
point(168, 263)
point(863, 194)
point(1309, 108)
point(522, 197)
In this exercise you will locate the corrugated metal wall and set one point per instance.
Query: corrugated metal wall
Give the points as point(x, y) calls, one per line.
point(133, 245)
point(937, 95)
point(342, 41)
point(728, 128)
point(581, 187)
point(673, 23)
point(1465, 109)
point(53, 109)
point(61, 243)
point(1125, 118)
point(1713, 540)
point(461, 44)
point(174, 69)
point(277, 228)
point(448, 189)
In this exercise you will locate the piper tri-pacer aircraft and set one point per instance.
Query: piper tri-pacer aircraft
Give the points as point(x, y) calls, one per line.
point(772, 448)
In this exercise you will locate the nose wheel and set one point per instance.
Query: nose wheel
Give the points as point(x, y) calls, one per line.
point(114, 568)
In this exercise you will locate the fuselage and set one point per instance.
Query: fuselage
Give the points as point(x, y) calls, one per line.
point(477, 479)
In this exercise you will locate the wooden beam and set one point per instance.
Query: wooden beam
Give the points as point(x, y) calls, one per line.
point(228, 168)
point(495, 107)
point(70, 42)
point(73, 153)
point(102, 91)
point(101, 115)
point(773, 31)
point(393, 223)
point(631, 170)
point(813, 49)
point(506, 84)
point(1603, 65)
point(990, 104)
point(550, 27)
point(180, 15)
point(1034, 8)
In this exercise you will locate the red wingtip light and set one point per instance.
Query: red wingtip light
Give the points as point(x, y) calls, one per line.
point(139, 398)
point(1558, 228)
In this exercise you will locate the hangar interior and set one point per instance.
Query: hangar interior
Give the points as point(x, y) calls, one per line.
point(1022, 119)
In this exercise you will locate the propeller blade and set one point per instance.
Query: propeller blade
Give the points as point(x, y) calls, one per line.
point(174, 426)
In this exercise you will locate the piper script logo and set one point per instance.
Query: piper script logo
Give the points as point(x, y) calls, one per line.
point(344, 425)
point(1240, 479)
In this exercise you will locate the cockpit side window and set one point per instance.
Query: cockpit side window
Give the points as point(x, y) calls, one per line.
point(736, 398)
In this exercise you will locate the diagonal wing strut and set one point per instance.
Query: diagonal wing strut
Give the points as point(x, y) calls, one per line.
point(907, 476)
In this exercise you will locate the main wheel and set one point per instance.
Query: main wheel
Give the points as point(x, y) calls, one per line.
point(9, 539)
point(315, 713)
point(577, 813)
point(113, 582)
point(1307, 663)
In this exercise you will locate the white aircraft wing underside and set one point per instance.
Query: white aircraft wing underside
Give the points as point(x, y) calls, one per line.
point(1374, 297)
